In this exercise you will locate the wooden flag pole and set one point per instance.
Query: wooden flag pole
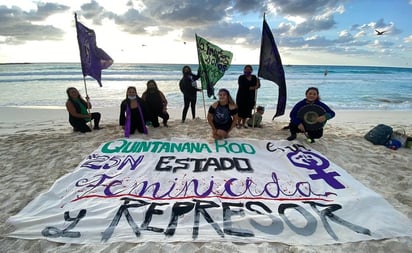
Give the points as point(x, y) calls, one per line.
point(87, 100)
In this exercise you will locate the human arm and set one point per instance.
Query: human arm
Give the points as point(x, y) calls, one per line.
point(294, 112)
point(87, 102)
point(164, 101)
point(257, 84)
point(210, 120)
point(233, 113)
point(181, 85)
point(294, 119)
point(329, 113)
point(195, 77)
point(210, 115)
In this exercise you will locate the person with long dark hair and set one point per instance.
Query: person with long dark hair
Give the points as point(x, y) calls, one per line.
point(222, 116)
point(133, 113)
point(79, 114)
point(156, 104)
point(189, 89)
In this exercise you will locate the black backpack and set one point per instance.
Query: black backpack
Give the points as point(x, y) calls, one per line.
point(380, 134)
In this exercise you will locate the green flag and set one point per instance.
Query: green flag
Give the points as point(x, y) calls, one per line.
point(213, 62)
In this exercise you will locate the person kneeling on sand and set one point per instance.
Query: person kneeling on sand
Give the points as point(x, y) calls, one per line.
point(298, 124)
point(222, 116)
point(79, 115)
point(256, 119)
point(156, 104)
point(133, 113)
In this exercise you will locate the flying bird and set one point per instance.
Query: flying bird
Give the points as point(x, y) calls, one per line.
point(379, 32)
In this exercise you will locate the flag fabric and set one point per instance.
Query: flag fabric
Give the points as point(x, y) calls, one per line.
point(93, 59)
point(271, 68)
point(213, 62)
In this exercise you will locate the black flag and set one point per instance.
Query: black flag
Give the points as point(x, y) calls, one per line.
point(271, 68)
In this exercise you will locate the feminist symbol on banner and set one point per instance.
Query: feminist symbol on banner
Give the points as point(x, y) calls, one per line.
point(313, 161)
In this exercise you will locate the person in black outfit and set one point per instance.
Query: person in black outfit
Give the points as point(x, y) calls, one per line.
point(79, 115)
point(133, 106)
point(246, 95)
point(156, 104)
point(189, 89)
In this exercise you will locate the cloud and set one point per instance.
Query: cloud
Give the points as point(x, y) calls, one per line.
point(301, 23)
point(19, 26)
point(408, 39)
point(389, 28)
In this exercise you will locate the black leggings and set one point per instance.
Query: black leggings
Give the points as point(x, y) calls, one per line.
point(81, 124)
point(155, 118)
point(313, 134)
point(192, 103)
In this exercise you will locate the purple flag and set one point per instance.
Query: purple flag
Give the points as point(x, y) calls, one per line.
point(93, 59)
point(271, 68)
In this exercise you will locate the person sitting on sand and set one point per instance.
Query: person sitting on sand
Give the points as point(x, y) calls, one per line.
point(222, 116)
point(296, 123)
point(79, 114)
point(256, 119)
point(156, 104)
point(133, 113)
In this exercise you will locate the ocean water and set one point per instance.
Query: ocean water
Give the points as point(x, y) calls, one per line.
point(43, 85)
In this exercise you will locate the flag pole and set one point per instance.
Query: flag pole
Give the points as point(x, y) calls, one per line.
point(254, 110)
point(87, 100)
point(204, 104)
point(84, 78)
point(254, 106)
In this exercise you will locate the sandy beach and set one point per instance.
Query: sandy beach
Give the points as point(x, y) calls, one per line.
point(29, 133)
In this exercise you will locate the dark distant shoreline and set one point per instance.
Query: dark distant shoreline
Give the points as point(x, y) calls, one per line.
point(15, 63)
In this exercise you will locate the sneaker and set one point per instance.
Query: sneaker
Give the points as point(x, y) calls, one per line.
point(97, 128)
point(291, 138)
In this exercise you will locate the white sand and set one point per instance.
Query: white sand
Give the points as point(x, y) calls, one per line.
point(29, 133)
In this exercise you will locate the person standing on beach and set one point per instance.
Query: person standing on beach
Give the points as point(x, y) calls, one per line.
point(222, 116)
point(133, 113)
point(246, 95)
point(78, 109)
point(156, 104)
point(189, 89)
point(296, 123)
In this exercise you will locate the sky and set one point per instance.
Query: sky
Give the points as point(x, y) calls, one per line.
point(314, 32)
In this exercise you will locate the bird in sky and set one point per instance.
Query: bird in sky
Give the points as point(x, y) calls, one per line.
point(379, 32)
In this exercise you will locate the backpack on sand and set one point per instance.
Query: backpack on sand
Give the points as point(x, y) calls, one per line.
point(380, 134)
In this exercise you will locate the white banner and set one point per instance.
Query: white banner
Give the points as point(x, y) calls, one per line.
point(190, 190)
